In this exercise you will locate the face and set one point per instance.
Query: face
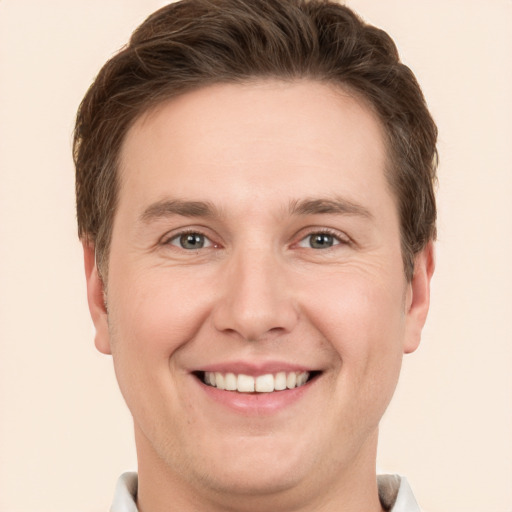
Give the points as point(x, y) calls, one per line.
point(256, 247)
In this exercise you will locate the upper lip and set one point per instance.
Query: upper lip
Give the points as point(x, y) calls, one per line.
point(254, 368)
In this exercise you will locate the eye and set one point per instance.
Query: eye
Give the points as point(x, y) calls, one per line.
point(320, 240)
point(190, 241)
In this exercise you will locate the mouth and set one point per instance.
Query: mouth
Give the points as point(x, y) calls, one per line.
point(266, 383)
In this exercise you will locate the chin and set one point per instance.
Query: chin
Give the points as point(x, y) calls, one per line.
point(255, 466)
point(259, 479)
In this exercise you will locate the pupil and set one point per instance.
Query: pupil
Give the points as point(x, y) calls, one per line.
point(321, 241)
point(192, 241)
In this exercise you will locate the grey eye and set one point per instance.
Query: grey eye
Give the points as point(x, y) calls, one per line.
point(190, 241)
point(321, 240)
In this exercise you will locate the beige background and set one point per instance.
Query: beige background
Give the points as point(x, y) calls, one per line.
point(64, 432)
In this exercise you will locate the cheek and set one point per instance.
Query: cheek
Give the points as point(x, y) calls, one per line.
point(157, 315)
point(360, 306)
point(362, 319)
point(150, 319)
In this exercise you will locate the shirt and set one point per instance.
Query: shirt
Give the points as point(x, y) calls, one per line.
point(395, 494)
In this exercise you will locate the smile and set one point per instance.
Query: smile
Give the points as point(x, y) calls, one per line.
point(267, 383)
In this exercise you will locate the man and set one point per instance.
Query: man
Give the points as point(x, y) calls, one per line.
point(255, 202)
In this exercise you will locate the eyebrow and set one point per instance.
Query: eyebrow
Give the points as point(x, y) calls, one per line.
point(170, 207)
point(302, 207)
point(334, 206)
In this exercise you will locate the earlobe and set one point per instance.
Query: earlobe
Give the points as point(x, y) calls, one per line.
point(96, 299)
point(418, 297)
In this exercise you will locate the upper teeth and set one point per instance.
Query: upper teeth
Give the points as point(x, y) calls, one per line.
point(262, 384)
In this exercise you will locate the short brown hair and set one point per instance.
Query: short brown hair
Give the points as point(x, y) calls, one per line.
point(195, 43)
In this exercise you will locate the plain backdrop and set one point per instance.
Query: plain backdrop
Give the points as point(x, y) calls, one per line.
point(65, 434)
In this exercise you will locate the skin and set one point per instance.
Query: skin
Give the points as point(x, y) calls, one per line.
point(257, 291)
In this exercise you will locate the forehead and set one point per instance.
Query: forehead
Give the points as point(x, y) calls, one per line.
point(278, 136)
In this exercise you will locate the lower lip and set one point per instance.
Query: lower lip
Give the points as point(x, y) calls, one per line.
point(257, 403)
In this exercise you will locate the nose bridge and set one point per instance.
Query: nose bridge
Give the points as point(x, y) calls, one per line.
point(256, 298)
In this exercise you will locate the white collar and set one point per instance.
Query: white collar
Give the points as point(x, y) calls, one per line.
point(394, 493)
point(126, 491)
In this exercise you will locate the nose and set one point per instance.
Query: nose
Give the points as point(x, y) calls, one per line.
point(255, 298)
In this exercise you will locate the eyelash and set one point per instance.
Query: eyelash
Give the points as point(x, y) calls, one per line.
point(339, 240)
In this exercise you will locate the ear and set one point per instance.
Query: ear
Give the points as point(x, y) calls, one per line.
point(418, 297)
point(96, 299)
